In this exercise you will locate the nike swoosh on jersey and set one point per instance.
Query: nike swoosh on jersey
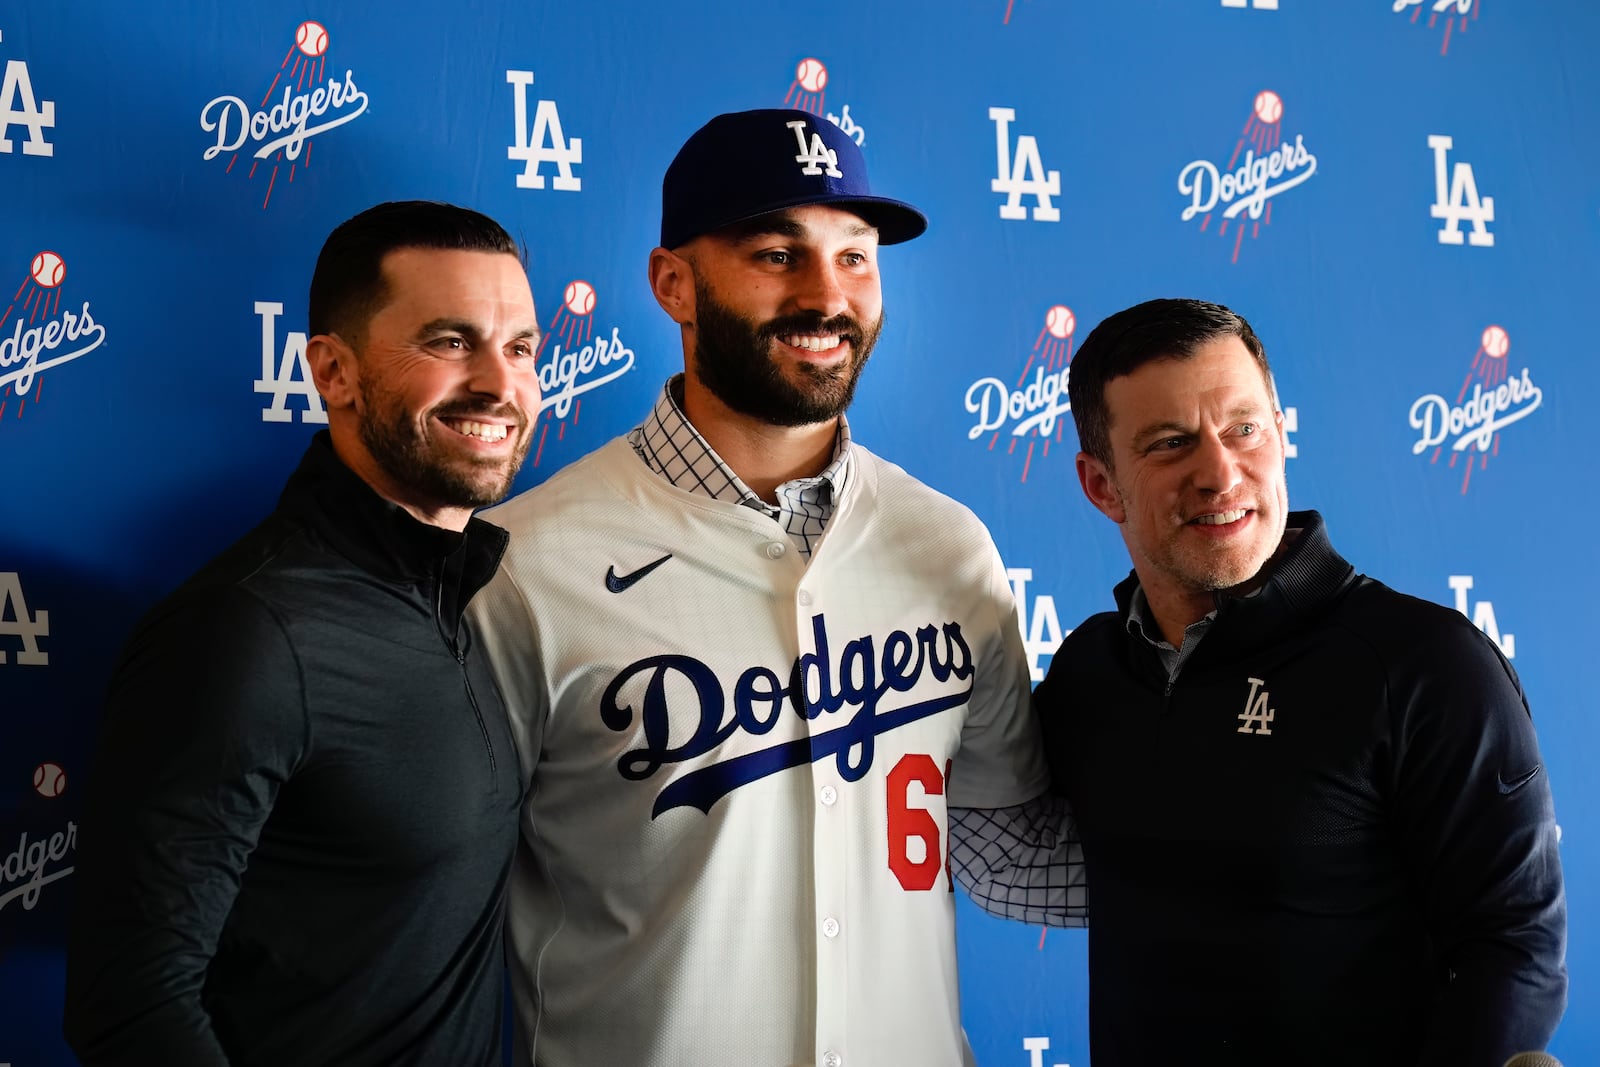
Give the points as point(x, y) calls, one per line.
point(1516, 783)
point(621, 583)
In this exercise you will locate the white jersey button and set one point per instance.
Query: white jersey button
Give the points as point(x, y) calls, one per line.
point(830, 927)
point(804, 598)
point(829, 794)
point(832, 1059)
point(775, 549)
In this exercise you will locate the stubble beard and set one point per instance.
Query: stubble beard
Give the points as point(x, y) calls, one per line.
point(396, 443)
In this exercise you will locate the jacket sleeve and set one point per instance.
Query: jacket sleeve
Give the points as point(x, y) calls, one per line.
point(1477, 826)
point(204, 722)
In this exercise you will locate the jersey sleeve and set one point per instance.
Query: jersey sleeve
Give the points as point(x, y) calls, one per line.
point(204, 722)
point(502, 620)
point(1477, 825)
point(1000, 762)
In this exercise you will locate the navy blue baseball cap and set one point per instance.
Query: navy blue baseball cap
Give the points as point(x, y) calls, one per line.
point(745, 164)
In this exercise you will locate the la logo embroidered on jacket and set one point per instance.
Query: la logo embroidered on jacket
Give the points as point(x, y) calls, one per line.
point(1256, 718)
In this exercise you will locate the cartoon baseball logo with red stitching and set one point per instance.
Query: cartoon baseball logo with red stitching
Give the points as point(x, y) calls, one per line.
point(1029, 413)
point(39, 331)
point(572, 362)
point(1490, 399)
point(275, 137)
point(808, 92)
point(1242, 190)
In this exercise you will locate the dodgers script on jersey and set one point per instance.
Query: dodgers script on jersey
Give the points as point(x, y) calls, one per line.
point(741, 765)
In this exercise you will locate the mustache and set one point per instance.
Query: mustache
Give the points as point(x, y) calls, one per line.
point(846, 326)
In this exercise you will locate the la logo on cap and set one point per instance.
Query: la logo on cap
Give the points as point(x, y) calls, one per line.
point(815, 156)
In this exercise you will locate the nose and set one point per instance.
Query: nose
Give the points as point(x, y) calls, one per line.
point(1217, 469)
point(822, 289)
point(504, 378)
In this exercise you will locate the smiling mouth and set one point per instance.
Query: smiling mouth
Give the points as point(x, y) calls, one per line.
point(1220, 518)
point(483, 431)
point(813, 342)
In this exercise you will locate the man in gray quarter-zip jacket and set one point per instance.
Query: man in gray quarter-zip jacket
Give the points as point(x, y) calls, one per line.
point(304, 805)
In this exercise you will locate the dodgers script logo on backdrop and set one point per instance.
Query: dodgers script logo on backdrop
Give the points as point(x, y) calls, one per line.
point(545, 142)
point(36, 335)
point(34, 864)
point(18, 107)
point(1471, 425)
point(280, 129)
point(1454, 11)
point(569, 372)
point(807, 93)
point(1246, 186)
point(679, 696)
point(285, 372)
point(1033, 410)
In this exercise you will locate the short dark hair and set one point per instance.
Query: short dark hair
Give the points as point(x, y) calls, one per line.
point(1121, 344)
point(347, 285)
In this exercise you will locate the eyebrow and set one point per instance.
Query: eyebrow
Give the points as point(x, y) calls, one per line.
point(462, 326)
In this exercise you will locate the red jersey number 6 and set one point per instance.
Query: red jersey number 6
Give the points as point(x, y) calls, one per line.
point(907, 823)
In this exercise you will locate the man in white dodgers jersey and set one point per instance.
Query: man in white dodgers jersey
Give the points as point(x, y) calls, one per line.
point(767, 686)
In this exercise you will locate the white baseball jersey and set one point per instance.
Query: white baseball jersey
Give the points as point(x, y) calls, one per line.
point(740, 767)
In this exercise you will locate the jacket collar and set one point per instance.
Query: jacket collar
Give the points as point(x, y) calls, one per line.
point(1307, 574)
point(381, 537)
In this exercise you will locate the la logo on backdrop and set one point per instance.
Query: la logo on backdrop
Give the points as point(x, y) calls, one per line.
point(40, 331)
point(20, 107)
point(280, 128)
point(808, 92)
point(1034, 409)
point(1489, 400)
point(1244, 188)
point(1456, 13)
point(544, 142)
point(576, 363)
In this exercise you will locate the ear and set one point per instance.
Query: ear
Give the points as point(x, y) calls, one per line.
point(672, 282)
point(1283, 441)
point(1100, 487)
point(333, 370)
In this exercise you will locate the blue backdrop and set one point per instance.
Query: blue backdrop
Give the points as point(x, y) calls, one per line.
point(1400, 194)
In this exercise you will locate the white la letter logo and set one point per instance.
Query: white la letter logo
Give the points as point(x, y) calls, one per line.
point(1482, 615)
point(1257, 716)
point(18, 88)
point(533, 149)
point(15, 622)
point(283, 383)
point(1457, 200)
point(815, 156)
point(1038, 621)
point(1024, 177)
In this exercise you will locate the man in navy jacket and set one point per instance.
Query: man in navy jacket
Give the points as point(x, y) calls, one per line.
point(1316, 823)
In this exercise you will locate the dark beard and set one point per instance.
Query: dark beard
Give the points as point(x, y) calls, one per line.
point(733, 360)
point(391, 438)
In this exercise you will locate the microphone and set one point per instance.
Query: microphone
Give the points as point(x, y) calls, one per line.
point(1533, 1059)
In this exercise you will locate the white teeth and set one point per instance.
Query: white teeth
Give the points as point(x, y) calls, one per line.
point(814, 344)
point(1221, 518)
point(482, 431)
